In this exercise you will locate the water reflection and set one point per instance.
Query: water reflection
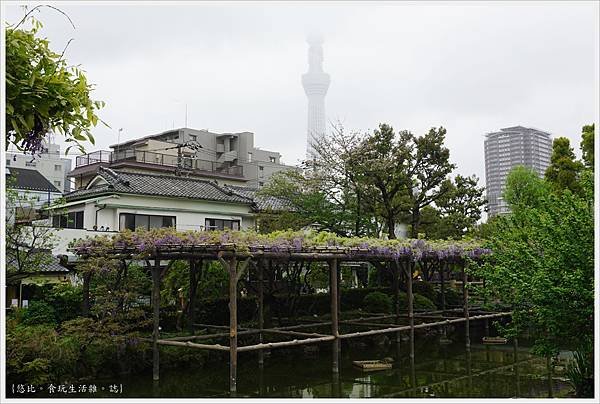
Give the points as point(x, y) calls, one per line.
point(437, 370)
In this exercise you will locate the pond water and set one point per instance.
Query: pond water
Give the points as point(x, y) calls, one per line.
point(439, 371)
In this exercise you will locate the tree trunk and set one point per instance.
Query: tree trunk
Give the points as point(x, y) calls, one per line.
point(391, 224)
point(416, 222)
point(85, 306)
point(358, 214)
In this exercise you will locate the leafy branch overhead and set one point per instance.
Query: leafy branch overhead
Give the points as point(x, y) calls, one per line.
point(44, 93)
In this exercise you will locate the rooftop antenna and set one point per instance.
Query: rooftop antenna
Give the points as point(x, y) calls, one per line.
point(119, 141)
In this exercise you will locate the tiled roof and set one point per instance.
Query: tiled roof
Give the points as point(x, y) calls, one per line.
point(53, 265)
point(263, 202)
point(30, 180)
point(158, 185)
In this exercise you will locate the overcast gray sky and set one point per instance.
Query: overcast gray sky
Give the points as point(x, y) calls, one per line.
point(472, 67)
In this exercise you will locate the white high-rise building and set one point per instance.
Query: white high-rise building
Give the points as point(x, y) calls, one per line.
point(315, 83)
point(508, 148)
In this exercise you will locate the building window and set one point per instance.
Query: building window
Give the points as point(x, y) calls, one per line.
point(57, 167)
point(30, 164)
point(272, 159)
point(260, 183)
point(132, 221)
point(222, 224)
point(72, 220)
point(193, 137)
point(7, 162)
point(261, 168)
point(57, 184)
point(249, 157)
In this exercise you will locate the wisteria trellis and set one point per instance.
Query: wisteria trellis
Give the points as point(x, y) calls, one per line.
point(146, 243)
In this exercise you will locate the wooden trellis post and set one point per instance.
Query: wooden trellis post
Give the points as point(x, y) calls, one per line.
point(516, 368)
point(396, 284)
point(192, 294)
point(410, 298)
point(230, 267)
point(156, 317)
point(466, 305)
point(261, 318)
point(443, 266)
point(234, 277)
point(333, 287)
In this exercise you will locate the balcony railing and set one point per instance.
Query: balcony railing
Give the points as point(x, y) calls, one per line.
point(168, 160)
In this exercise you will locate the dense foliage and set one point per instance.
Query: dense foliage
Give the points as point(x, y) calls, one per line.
point(543, 261)
point(564, 169)
point(43, 93)
point(377, 184)
point(28, 242)
point(587, 145)
point(377, 302)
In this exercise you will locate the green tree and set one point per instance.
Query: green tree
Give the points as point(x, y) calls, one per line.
point(587, 145)
point(564, 170)
point(309, 204)
point(28, 241)
point(543, 262)
point(381, 160)
point(461, 207)
point(432, 224)
point(428, 171)
point(340, 181)
point(43, 93)
point(524, 189)
point(408, 172)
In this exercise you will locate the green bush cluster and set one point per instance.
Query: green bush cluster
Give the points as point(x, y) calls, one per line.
point(217, 311)
point(39, 312)
point(377, 302)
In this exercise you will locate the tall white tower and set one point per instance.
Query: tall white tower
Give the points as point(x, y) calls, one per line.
point(315, 83)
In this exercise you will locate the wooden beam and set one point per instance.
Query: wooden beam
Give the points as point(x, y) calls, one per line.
point(292, 333)
point(295, 342)
point(423, 325)
point(188, 344)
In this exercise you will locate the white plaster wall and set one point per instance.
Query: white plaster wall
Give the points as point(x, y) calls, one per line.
point(189, 214)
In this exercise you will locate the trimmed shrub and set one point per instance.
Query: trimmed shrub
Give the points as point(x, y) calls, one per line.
point(425, 289)
point(39, 313)
point(66, 301)
point(421, 302)
point(377, 302)
point(452, 297)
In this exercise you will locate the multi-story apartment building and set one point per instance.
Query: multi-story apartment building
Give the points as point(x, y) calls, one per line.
point(508, 148)
point(49, 163)
point(184, 178)
point(229, 158)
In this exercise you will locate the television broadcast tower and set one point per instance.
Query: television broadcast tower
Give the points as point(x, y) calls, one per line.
point(315, 83)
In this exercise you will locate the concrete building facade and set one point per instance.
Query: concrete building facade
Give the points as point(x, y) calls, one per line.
point(228, 158)
point(49, 163)
point(508, 148)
